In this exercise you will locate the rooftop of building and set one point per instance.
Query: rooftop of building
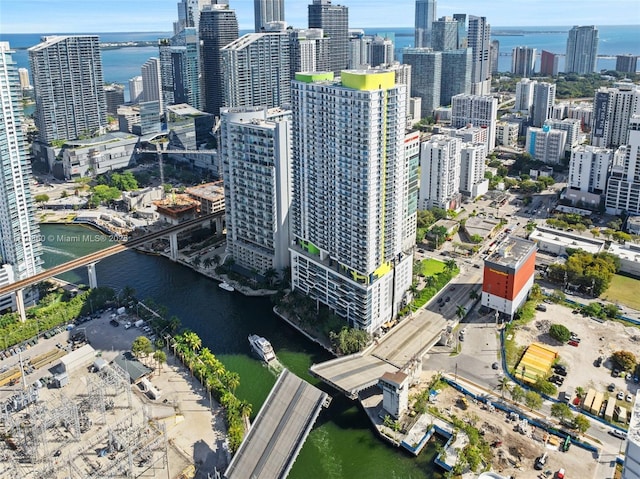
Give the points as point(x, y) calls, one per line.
point(249, 38)
point(566, 239)
point(182, 109)
point(112, 136)
point(480, 225)
point(627, 251)
point(49, 40)
point(208, 191)
point(511, 251)
point(396, 378)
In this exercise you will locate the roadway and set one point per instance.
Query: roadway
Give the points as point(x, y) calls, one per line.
point(99, 255)
point(408, 341)
point(279, 430)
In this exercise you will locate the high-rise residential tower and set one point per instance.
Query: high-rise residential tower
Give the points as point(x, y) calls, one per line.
point(19, 232)
point(135, 89)
point(582, 50)
point(524, 95)
point(612, 109)
point(425, 16)
point(255, 149)
point(308, 50)
point(426, 75)
point(445, 34)
point(456, 74)
point(440, 172)
point(544, 96)
point(218, 28)
point(549, 63)
point(479, 111)
point(334, 21)
point(523, 61)
point(479, 40)
point(256, 70)
point(180, 68)
point(267, 11)
point(623, 186)
point(68, 86)
point(151, 80)
point(347, 230)
point(494, 55)
point(626, 63)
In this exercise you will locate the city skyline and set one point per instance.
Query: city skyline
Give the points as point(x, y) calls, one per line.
point(34, 16)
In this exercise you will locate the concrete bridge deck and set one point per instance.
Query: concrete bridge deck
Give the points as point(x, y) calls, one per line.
point(279, 430)
point(410, 340)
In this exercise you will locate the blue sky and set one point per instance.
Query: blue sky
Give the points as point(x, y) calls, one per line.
point(71, 16)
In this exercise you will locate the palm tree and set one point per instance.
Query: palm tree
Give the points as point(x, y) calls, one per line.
point(286, 276)
point(207, 263)
point(517, 393)
point(461, 311)
point(196, 261)
point(473, 294)
point(229, 262)
point(450, 265)
point(270, 274)
point(174, 324)
point(128, 292)
point(192, 340)
point(216, 259)
point(504, 385)
point(245, 408)
point(160, 358)
point(231, 380)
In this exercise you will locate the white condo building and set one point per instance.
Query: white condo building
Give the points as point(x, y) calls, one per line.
point(623, 186)
point(588, 168)
point(440, 172)
point(544, 97)
point(545, 144)
point(349, 194)
point(571, 126)
point(256, 70)
point(477, 110)
point(152, 82)
point(20, 245)
point(524, 95)
point(612, 109)
point(472, 168)
point(255, 148)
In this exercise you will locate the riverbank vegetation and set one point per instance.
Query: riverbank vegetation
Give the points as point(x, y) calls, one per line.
point(218, 380)
point(56, 308)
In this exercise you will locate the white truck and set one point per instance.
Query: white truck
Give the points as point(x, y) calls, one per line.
point(138, 323)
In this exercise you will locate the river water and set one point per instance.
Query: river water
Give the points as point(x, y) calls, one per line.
point(341, 445)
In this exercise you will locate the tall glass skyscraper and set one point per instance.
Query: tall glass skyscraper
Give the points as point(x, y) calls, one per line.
point(180, 68)
point(479, 40)
point(266, 11)
point(218, 28)
point(582, 50)
point(19, 232)
point(425, 16)
point(349, 194)
point(334, 21)
point(69, 87)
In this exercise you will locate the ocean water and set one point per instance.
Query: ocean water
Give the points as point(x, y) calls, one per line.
point(119, 65)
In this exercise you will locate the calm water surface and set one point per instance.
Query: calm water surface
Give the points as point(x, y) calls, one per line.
point(341, 445)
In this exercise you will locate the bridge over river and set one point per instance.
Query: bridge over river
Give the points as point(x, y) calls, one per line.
point(407, 342)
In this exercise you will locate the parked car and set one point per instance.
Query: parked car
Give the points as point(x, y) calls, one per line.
point(574, 343)
point(611, 387)
point(560, 474)
point(598, 362)
point(629, 398)
point(617, 433)
point(615, 373)
point(114, 323)
point(620, 395)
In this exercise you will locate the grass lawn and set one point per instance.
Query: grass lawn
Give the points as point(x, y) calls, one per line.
point(431, 267)
point(623, 290)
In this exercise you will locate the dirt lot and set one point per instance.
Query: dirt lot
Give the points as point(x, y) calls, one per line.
point(516, 454)
point(597, 339)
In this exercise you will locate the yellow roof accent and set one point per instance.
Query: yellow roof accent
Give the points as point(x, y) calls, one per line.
point(313, 77)
point(361, 80)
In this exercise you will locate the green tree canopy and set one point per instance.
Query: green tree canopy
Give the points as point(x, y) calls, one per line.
point(581, 423)
point(533, 400)
point(349, 340)
point(561, 410)
point(625, 359)
point(559, 332)
point(141, 346)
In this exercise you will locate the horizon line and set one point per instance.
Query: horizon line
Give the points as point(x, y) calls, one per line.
point(351, 28)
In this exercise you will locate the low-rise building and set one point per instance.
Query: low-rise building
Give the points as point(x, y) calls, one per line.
point(507, 133)
point(508, 275)
point(557, 241)
point(546, 145)
point(395, 393)
point(210, 196)
point(95, 156)
point(629, 255)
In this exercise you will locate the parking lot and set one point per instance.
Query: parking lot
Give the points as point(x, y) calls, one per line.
point(595, 340)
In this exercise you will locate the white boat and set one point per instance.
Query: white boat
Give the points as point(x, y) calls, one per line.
point(226, 286)
point(262, 347)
